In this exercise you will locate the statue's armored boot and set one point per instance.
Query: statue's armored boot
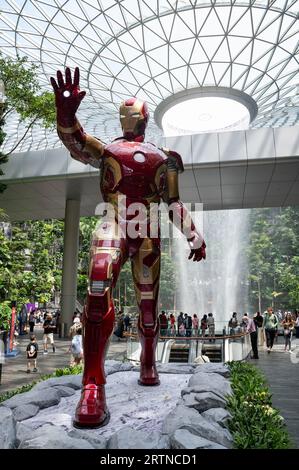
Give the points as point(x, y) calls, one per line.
point(92, 411)
point(148, 372)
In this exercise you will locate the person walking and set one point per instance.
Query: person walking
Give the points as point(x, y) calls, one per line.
point(251, 328)
point(73, 329)
point(22, 319)
point(288, 326)
point(31, 351)
point(233, 324)
point(127, 322)
point(49, 327)
point(211, 326)
point(180, 322)
point(204, 325)
point(32, 318)
point(163, 323)
point(259, 321)
point(190, 324)
point(297, 326)
point(195, 324)
point(77, 347)
point(119, 332)
point(172, 324)
point(182, 329)
point(271, 324)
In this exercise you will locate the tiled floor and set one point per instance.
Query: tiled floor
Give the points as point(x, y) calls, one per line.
point(282, 372)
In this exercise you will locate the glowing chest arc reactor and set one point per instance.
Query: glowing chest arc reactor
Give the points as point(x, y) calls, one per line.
point(139, 157)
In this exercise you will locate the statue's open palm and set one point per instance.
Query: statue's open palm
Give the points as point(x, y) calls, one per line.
point(67, 92)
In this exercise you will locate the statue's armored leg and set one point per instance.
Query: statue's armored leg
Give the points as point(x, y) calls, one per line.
point(146, 272)
point(106, 260)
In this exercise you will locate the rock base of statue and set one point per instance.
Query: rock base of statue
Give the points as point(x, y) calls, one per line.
point(186, 411)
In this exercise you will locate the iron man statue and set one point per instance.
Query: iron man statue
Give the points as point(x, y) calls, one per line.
point(142, 173)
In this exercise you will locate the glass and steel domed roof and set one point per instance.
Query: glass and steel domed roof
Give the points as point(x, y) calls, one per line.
point(158, 50)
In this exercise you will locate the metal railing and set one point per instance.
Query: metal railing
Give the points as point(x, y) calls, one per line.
point(233, 347)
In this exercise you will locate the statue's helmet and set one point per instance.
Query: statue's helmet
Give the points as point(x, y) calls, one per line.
point(134, 116)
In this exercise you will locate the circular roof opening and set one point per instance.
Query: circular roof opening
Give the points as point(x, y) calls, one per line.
point(207, 109)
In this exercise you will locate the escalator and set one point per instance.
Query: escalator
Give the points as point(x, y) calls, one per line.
point(179, 353)
point(213, 352)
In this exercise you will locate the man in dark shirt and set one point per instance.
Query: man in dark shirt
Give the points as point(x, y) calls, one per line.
point(49, 327)
point(127, 322)
point(189, 325)
point(163, 323)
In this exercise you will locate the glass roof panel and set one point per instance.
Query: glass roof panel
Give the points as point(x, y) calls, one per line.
point(208, 114)
point(154, 49)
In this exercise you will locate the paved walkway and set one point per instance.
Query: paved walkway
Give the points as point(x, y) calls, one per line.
point(282, 372)
point(14, 373)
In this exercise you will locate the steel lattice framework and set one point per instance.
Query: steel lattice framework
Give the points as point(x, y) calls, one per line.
point(154, 49)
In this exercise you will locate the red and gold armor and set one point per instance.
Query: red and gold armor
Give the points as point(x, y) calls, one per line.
point(141, 173)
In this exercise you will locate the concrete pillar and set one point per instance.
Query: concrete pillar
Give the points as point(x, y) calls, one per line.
point(70, 263)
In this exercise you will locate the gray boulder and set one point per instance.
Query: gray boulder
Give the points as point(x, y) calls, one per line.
point(129, 438)
point(111, 367)
point(203, 401)
point(53, 437)
point(41, 398)
point(184, 439)
point(175, 368)
point(183, 417)
point(25, 412)
point(218, 415)
point(126, 366)
point(7, 428)
point(212, 367)
point(98, 442)
point(64, 391)
point(203, 388)
point(113, 363)
point(211, 380)
point(30, 429)
point(72, 381)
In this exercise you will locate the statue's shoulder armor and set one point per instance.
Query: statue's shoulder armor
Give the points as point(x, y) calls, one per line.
point(174, 161)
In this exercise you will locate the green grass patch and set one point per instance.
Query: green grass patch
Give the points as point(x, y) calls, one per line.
point(255, 424)
point(75, 370)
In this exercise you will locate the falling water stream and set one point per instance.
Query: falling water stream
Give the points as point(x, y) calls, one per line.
point(218, 284)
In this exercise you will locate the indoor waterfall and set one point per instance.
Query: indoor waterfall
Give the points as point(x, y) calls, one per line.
point(218, 284)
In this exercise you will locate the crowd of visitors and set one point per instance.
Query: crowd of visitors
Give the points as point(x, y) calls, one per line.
point(263, 329)
point(186, 325)
point(263, 326)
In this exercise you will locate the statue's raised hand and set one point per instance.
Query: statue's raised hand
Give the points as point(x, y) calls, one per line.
point(67, 94)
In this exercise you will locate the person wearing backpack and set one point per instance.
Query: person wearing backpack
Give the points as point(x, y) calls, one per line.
point(31, 352)
point(271, 325)
point(77, 347)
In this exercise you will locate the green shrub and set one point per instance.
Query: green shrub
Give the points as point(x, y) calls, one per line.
point(255, 424)
point(75, 370)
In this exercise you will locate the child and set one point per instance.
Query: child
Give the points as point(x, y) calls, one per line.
point(76, 347)
point(32, 349)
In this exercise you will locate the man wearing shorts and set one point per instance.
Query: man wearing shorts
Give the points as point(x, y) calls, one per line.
point(49, 327)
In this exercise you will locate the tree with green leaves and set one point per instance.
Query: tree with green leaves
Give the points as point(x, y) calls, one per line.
point(273, 258)
point(22, 94)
